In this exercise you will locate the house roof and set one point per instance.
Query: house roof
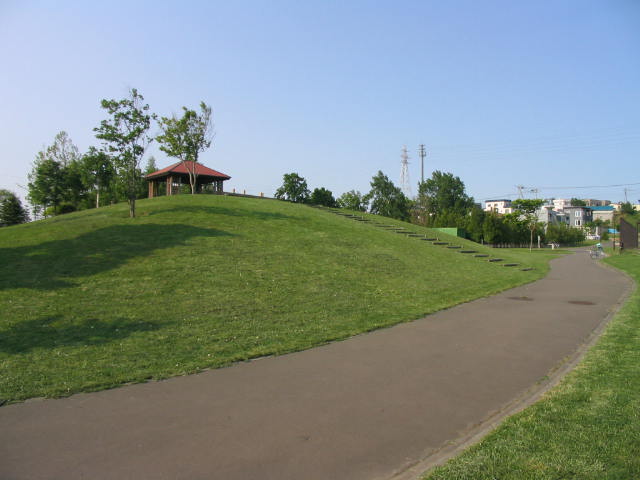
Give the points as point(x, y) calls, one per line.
point(584, 207)
point(607, 208)
point(181, 168)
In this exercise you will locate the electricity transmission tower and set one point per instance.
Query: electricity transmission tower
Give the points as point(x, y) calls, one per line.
point(405, 183)
point(520, 188)
point(423, 153)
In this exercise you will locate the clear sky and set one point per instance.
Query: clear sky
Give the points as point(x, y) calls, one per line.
point(544, 93)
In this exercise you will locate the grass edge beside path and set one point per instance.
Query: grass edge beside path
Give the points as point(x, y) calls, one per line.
point(586, 427)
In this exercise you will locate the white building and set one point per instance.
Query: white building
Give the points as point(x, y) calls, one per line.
point(559, 204)
point(501, 206)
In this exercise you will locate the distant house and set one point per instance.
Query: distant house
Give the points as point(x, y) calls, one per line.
point(547, 215)
point(603, 213)
point(592, 202)
point(501, 206)
point(577, 217)
point(560, 203)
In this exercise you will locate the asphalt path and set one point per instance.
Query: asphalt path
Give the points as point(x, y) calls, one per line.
point(376, 406)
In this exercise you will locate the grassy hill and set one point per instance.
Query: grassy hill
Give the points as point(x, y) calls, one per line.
point(94, 299)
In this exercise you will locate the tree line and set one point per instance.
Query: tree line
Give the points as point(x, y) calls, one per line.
point(441, 202)
point(63, 180)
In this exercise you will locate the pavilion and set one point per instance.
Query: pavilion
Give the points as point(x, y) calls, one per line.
point(177, 174)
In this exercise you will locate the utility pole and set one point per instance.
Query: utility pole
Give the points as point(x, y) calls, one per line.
point(520, 188)
point(423, 153)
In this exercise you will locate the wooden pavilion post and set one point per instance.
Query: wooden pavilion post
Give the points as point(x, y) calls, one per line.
point(169, 185)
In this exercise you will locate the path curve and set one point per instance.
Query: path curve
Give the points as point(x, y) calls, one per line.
point(371, 407)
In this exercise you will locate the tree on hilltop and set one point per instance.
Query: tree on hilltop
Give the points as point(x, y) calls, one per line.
point(322, 196)
point(11, 210)
point(186, 137)
point(97, 171)
point(124, 134)
point(386, 199)
point(294, 188)
point(352, 200)
point(56, 176)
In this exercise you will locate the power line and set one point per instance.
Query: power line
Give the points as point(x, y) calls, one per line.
point(590, 186)
point(560, 145)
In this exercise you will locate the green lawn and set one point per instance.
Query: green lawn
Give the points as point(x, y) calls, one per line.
point(588, 427)
point(93, 299)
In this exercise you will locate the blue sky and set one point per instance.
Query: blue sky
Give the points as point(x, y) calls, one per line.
point(544, 94)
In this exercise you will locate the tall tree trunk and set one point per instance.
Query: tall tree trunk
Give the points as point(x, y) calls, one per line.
point(531, 240)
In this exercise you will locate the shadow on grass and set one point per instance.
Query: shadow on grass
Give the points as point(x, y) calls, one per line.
point(55, 332)
point(51, 265)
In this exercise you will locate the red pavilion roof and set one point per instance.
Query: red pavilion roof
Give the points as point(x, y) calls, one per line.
point(181, 168)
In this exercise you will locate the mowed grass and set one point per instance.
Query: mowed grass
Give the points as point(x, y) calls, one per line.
point(586, 428)
point(94, 299)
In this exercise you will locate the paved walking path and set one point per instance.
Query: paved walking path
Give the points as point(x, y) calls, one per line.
point(364, 408)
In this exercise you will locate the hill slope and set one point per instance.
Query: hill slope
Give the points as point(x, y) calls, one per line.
point(94, 299)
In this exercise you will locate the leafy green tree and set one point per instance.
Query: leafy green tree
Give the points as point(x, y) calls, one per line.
point(186, 137)
point(98, 172)
point(124, 134)
point(75, 190)
point(5, 193)
point(576, 202)
point(352, 200)
point(55, 177)
point(322, 196)
point(563, 234)
point(63, 150)
point(386, 199)
point(517, 229)
point(494, 229)
point(626, 208)
point(151, 165)
point(11, 210)
point(46, 183)
point(527, 208)
point(474, 224)
point(443, 200)
point(294, 189)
